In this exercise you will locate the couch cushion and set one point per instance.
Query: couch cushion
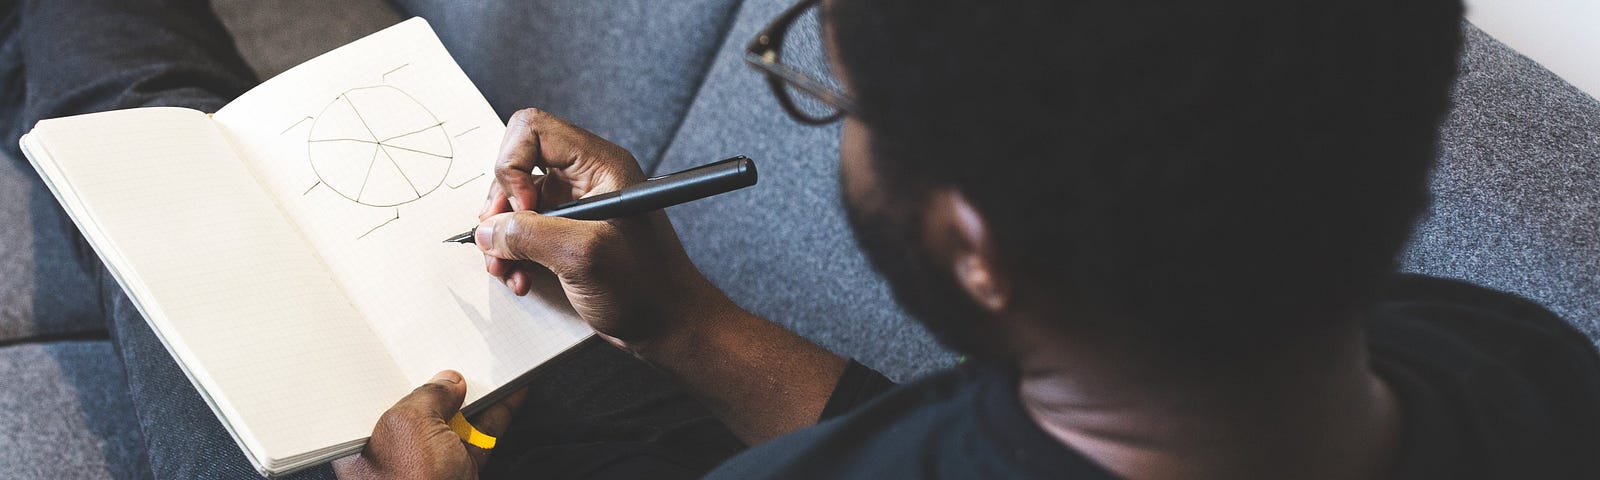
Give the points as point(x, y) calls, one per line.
point(624, 69)
point(274, 36)
point(782, 248)
point(1517, 190)
point(64, 413)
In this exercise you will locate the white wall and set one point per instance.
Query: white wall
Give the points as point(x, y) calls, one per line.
point(1562, 35)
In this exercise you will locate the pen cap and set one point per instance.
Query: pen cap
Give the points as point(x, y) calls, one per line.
point(700, 182)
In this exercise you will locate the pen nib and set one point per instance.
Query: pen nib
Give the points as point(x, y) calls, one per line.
point(467, 237)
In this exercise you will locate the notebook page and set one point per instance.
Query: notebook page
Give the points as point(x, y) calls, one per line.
point(380, 150)
point(240, 300)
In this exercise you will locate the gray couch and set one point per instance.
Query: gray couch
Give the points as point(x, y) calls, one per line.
point(1517, 194)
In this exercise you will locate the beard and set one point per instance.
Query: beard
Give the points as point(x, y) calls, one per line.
point(888, 228)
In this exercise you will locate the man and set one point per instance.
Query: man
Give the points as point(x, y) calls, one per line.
point(1163, 235)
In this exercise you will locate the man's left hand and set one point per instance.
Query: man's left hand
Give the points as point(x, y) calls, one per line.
point(413, 439)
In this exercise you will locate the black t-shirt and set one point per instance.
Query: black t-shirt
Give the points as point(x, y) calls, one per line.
point(1491, 385)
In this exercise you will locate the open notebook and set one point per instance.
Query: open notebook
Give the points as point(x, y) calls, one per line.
point(287, 250)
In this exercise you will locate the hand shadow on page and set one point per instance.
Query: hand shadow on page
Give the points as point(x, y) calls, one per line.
point(545, 289)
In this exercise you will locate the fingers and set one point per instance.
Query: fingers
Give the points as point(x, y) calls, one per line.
point(494, 421)
point(514, 273)
point(519, 282)
point(542, 283)
point(562, 245)
point(536, 139)
point(440, 398)
point(584, 162)
point(575, 164)
point(413, 437)
point(495, 202)
point(498, 268)
point(352, 466)
point(547, 140)
point(513, 169)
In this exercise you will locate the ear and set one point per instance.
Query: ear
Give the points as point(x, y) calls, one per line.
point(960, 238)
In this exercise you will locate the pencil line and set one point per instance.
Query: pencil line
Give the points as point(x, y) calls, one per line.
point(396, 69)
point(458, 135)
point(430, 127)
point(374, 229)
point(359, 117)
point(402, 172)
point(343, 140)
point(463, 182)
point(385, 145)
point(296, 124)
point(364, 180)
point(313, 186)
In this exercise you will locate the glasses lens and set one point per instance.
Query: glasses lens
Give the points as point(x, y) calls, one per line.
point(803, 56)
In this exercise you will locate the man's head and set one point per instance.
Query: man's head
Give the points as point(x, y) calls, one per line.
point(1191, 171)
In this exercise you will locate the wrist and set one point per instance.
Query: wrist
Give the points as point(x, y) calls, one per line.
point(691, 331)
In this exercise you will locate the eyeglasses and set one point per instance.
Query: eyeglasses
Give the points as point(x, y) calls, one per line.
point(765, 54)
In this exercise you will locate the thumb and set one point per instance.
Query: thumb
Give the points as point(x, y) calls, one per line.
point(439, 398)
point(560, 244)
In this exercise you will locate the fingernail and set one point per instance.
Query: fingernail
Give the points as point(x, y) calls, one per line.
point(449, 376)
point(484, 235)
point(515, 205)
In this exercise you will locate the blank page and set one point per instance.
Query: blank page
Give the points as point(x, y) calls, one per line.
point(238, 297)
point(378, 151)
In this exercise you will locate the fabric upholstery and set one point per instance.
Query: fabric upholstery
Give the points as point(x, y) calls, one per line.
point(624, 69)
point(782, 248)
point(276, 35)
point(1516, 195)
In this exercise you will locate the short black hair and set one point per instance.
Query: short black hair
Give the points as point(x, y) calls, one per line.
point(1194, 166)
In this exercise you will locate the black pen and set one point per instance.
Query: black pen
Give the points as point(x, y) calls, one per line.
point(652, 194)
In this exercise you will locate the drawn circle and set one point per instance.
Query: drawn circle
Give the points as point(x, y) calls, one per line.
point(379, 146)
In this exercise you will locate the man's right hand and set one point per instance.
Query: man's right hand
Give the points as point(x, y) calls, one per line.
point(629, 278)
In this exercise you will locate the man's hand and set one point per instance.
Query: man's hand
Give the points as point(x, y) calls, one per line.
point(413, 439)
point(628, 277)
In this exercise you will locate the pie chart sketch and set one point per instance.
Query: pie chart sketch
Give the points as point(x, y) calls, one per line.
point(379, 146)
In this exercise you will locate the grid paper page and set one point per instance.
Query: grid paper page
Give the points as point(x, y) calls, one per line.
point(222, 277)
point(378, 151)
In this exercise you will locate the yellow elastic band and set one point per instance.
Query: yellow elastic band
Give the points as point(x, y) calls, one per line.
point(469, 434)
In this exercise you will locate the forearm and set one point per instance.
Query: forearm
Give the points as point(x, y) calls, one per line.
point(758, 378)
point(82, 56)
point(631, 280)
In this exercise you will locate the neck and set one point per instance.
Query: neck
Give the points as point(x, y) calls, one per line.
point(1303, 407)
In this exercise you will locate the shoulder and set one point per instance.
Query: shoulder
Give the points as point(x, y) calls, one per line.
point(1504, 381)
point(1474, 321)
point(887, 436)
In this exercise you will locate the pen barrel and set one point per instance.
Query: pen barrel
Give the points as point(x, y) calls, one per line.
point(663, 191)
